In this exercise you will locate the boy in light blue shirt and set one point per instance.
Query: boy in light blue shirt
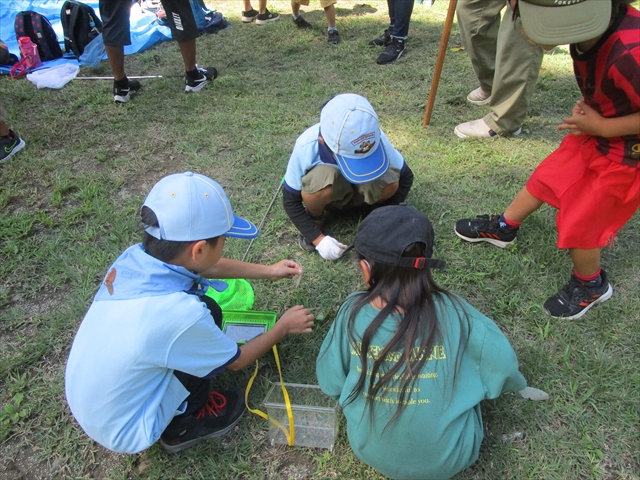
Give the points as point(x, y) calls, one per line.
point(141, 362)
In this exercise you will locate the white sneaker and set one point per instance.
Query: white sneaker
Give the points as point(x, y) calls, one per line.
point(479, 97)
point(478, 129)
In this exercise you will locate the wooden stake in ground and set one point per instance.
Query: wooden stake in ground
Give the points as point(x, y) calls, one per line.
point(444, 41)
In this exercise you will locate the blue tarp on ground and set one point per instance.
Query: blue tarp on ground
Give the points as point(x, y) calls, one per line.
point(145, 30)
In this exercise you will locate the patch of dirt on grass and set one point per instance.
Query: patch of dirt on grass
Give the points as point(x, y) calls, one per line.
point(292, 466)
point(22, 465)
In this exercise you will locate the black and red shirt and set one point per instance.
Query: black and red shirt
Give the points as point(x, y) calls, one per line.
point(609, 78)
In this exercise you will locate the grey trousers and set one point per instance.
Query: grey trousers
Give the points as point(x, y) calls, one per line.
point(504, 62)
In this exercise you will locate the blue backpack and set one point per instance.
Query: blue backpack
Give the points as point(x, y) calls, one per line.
point(39, 30)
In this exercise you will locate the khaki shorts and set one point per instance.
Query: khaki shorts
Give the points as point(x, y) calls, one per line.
point(344, 194)
point(323, 3)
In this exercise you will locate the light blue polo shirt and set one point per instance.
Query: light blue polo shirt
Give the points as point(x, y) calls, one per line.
point(141, 326)
point(306, 155)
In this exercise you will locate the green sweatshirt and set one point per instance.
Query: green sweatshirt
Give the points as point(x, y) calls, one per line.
point(440, 431)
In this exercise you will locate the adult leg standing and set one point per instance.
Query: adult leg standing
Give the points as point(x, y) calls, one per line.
point(504, 62)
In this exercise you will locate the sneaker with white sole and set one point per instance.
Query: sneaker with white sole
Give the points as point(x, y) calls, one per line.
point(249, 16)
point(10, 145)
point(486, 228)
point(124, 94)
point(576, 298)
point(479, 97)
point(266, 17)
point(479, 129)
point(205, 75)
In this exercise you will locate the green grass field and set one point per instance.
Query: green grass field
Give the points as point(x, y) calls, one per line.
point(69, 203)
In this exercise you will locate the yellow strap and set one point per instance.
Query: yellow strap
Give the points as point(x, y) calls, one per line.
point(290, 435)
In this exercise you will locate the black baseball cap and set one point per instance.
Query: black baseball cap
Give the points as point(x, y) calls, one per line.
point(385, 234)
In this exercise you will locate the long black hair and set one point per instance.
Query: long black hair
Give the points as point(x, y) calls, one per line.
point(409, 296)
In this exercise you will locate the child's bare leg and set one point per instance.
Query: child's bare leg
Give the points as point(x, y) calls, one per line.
point(315, 203)
point(585, 262)
point(247, 5)
point(262, 6)
point(295, 8)
point(4, 129)
point(330, 15)
point(523, 205)
point(388, 191)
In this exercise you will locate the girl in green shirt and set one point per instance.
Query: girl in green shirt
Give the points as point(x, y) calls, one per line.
point(410, 362)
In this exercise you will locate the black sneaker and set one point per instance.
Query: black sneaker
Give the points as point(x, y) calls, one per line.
point(393, 51)
point(205, 76)
point(124, 94)
point(382, 41)
point(302, 24)
point(222, 412)
point(576, 298)
point(250, 16)
point(485, 229)
point(10, 145)
point(333, 37)
point(266, 17)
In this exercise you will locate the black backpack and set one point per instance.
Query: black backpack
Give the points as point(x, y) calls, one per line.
point(38, 29)
point(80, 25)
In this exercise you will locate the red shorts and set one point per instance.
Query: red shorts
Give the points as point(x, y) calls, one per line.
point(595, 197)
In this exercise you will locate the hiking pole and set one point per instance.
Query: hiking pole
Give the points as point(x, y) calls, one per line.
point(446, 32)
point(264, 218)
point(132, 76)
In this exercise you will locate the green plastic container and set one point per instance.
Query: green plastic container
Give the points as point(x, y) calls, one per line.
point(243, 325)
point(238, 295)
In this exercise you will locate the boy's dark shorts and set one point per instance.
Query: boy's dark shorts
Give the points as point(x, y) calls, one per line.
point(116, 25)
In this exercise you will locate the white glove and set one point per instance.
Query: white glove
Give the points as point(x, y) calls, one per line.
point(330, 249)
point(534, 394)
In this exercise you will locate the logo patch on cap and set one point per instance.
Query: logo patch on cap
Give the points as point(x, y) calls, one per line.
point(362, 138)
point(365, 147)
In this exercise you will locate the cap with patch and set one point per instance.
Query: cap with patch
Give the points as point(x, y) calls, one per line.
point(558, 22)
point(386, 233)
point(192, 207)
point(349, 127)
